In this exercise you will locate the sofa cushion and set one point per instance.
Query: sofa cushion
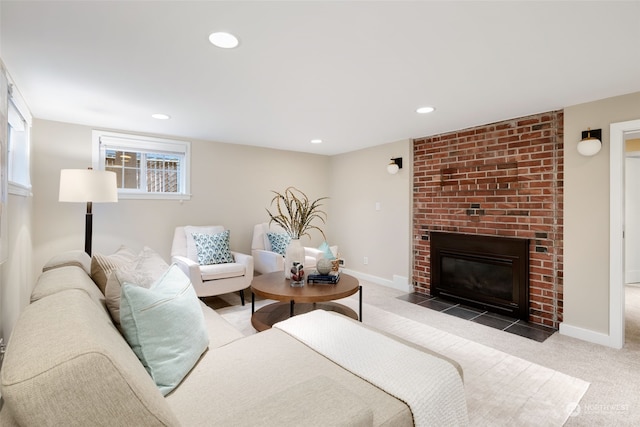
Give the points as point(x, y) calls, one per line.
point(278, 242)
point(67, 365)
point(333, 405)
point(220, 331)
point(102, 265)
point(164, 326)
point(64, 278)
point(213, 248)
point(76, 258)
point(148, 267)
point(250, 370)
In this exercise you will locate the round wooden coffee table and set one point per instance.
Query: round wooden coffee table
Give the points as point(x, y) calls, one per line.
point(298, 300)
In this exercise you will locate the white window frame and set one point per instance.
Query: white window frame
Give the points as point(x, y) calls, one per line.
point(136, 143)
point(18, 111)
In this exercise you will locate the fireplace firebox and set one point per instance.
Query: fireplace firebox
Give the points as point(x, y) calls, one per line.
point(487, 272)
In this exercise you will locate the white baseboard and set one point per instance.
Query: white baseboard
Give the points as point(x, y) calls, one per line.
point(632, 276)
point(586, 335)
point(400, 283)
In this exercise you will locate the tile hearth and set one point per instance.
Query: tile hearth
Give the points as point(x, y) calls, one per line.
point(514, 326)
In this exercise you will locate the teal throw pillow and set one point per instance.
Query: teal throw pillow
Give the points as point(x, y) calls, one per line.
point(279, 242)
point(164, 326)
point(213, 248)
point(326, 251)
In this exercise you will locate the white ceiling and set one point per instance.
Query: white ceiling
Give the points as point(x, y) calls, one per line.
point(350, 73)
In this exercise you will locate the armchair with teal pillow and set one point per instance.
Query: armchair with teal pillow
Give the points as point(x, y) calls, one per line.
point(268, 246)
point(203, 254)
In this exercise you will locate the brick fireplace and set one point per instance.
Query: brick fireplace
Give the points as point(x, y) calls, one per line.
point(502, 179)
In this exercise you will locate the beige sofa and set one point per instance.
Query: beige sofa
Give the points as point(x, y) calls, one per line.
point(67, 364)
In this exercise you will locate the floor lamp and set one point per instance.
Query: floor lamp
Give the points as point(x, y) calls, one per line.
point(88, 186)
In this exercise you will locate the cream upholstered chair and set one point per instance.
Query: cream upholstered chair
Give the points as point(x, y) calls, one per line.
point(266, 260)
point(212, 279)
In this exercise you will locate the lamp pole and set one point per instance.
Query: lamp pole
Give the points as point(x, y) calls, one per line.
point(88, 229)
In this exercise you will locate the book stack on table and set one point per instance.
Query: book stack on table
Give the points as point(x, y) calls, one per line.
point(323, 279)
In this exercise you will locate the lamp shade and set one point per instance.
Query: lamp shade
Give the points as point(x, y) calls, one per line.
point(88, 185)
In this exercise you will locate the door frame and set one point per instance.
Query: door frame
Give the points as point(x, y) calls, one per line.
point(617, 133)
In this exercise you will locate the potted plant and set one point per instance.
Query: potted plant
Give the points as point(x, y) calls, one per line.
point(294, 212)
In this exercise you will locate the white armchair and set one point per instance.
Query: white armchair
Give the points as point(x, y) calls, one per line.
point(267, 261)
point(214, 279)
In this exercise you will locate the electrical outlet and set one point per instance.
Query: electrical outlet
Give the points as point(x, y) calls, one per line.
point(366, 260)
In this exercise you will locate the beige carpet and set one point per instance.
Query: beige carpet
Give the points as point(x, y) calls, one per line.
point(501, 389)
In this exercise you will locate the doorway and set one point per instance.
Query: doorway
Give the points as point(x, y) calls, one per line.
point(632, 237)
point(619, 132)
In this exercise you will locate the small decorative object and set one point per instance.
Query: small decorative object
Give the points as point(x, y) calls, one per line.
point(324, 279)
point(324, 266)
point(295, 213)
point(297, 275)
point(293, 254)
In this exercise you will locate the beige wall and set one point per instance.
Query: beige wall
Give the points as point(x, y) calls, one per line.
point(586, 212)
point(230, 185)
point(359, 180)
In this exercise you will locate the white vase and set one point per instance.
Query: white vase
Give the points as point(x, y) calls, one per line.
point(294, 254)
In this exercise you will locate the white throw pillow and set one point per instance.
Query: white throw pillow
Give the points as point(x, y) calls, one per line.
point(147, 268)
point(102, 265)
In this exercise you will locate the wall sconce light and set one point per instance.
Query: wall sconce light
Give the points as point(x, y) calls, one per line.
point(395, 165)
point(591, 142)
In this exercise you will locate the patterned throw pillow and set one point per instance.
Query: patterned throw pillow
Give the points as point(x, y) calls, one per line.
point(213, 248)
point(279, 242)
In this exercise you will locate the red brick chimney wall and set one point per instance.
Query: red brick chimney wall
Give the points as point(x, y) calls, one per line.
point(502, 179)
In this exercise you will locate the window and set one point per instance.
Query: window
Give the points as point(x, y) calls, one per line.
point(18, 160)
point(145, 167)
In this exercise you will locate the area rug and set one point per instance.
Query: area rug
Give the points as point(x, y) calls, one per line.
point(501, 390)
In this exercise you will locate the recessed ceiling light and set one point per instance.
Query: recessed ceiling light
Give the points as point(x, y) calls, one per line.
point(223, 40)
point(316, 141)
point(161, 116)
point(425, 110)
